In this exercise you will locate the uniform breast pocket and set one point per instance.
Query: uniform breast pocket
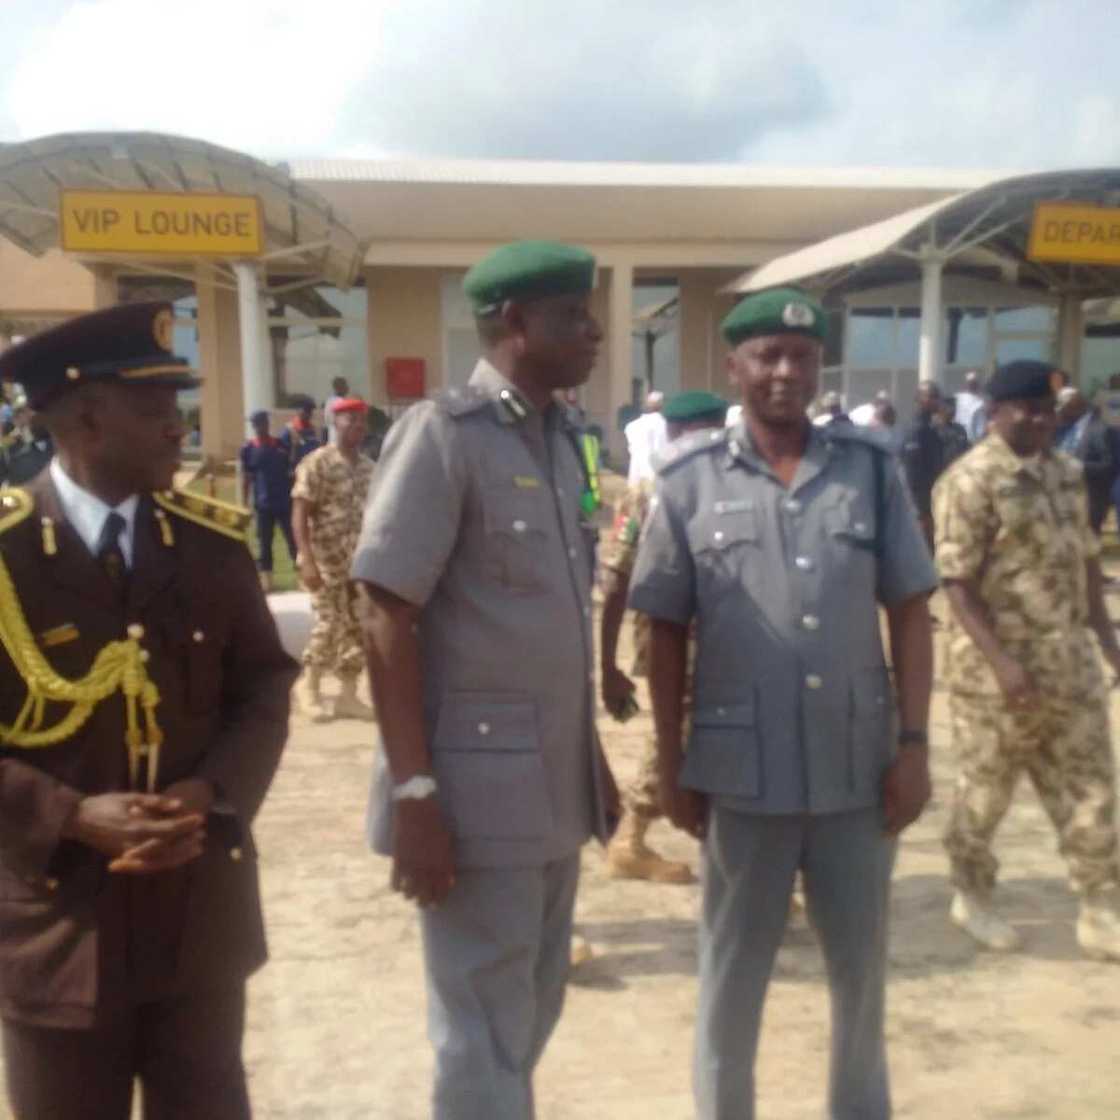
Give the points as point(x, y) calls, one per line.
point(850, 525)
point(488, 765)
point(723, 545)
point(517, 527)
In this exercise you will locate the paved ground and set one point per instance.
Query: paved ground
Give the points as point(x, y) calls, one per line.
point(337, 1019)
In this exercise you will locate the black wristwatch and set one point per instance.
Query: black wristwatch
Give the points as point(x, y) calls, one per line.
point(913, 739)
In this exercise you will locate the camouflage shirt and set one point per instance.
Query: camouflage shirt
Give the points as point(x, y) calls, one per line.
point(620, 546)
point(336, 492)
point(1019, 530)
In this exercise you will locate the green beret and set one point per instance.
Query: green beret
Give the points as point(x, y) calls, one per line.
point(695, 405)
point(776, 311)
point(528, 270)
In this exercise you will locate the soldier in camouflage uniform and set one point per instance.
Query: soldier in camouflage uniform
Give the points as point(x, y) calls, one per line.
point(328, 501)
point(1020, 568)
point(629, 857)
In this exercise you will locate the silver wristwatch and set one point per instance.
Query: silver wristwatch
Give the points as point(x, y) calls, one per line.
point(416, 788)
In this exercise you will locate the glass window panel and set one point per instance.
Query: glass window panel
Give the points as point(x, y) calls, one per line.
point(909, 334)
point(1031, 318)
point(871, 336)
point(1100, 360)
point(1011, 349)
point(863, 384)
point(834, 339)
point(966, 336)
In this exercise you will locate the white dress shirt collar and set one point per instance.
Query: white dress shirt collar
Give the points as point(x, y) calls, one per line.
point(86, 512)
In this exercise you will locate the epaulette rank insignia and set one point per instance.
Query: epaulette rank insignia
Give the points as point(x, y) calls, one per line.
point(15, 506)
point(222, 517)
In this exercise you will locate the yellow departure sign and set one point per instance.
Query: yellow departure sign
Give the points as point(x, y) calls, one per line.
point(182, 225)
point(1075, 234)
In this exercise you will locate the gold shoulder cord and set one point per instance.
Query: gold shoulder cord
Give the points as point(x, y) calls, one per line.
point(118, 667)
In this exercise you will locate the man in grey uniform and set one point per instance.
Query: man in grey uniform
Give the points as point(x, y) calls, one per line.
point(780, 539)
point(475, 564)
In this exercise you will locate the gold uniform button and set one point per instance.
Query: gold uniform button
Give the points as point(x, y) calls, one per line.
point(135, 631)
point(73, 373)
point(51, 884)
point(198, 637)
point(235, 854)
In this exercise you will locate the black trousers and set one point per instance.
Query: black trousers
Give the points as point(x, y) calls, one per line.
point(185, 1052)
point(267, 522)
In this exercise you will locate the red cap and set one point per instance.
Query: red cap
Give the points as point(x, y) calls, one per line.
point(349, 404)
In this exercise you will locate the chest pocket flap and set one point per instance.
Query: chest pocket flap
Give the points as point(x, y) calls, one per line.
point(517, 525)
point(849, 521)
point(724, 526)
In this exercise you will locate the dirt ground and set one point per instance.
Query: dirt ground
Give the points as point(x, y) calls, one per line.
point(336, 1024)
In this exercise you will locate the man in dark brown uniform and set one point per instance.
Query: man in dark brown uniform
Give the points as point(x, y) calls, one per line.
point(143, 708)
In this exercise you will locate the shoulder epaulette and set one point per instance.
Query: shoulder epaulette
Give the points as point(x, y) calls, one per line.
point(462, 402)
point(688, 446)
point(222, 517)
point(855, 433)
point(16, 505)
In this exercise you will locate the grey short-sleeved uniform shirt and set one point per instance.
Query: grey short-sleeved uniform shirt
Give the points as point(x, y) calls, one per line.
point(793, 708)
point(474, 515)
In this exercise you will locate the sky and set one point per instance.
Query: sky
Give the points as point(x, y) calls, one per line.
point(984, 84)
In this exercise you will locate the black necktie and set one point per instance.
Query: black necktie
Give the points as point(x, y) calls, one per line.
point(109, 550)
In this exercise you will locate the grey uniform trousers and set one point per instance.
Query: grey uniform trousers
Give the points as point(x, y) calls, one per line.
point(749, 866)
point(497, 953)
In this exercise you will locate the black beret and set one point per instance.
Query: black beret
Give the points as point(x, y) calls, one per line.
point(1024, 380)
point(129, 343)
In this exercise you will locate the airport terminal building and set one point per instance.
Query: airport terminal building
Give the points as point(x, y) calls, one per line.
point(286, 276)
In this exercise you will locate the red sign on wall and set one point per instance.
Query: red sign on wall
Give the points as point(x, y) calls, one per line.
point(404, 378)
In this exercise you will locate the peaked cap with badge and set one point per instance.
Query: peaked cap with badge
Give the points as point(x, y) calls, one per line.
point(129, 343)
point(775, 311)
point(526, 270)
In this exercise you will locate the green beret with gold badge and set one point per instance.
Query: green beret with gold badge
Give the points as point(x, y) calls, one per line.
point(525, 270)
point(685, 408)
point(775, 311)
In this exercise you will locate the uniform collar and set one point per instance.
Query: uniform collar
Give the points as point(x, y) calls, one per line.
point(510, 405)
point(86, 512)
point(819, 449)
point(1001, 452)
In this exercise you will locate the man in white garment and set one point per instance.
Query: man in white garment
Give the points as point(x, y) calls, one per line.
point(645, 437)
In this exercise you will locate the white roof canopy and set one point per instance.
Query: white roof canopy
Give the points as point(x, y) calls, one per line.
point(983, 233)
point(303, 235)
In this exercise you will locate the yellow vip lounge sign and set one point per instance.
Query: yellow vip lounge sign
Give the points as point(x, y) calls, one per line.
point(170, 224)
point(1075, 234)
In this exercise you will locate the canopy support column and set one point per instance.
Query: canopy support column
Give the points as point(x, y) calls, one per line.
point(1071, 326)
point(256, 373)
point(621, 314)
point(929, 346)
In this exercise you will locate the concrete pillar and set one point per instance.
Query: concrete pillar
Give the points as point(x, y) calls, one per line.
point(256, 374)
point(621, 312)
point(929, 345)
point(1071, 327)
point(221, 400)
point(105, 292)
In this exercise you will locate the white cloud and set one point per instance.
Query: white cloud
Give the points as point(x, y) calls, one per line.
point(990, 83)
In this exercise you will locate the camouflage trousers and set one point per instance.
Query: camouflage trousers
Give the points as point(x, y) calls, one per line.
point(1063, 746)
point(641, 796)
point(335, 644)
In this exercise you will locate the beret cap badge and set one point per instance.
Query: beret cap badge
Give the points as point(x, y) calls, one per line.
point(163, 328)
point(797, 315)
